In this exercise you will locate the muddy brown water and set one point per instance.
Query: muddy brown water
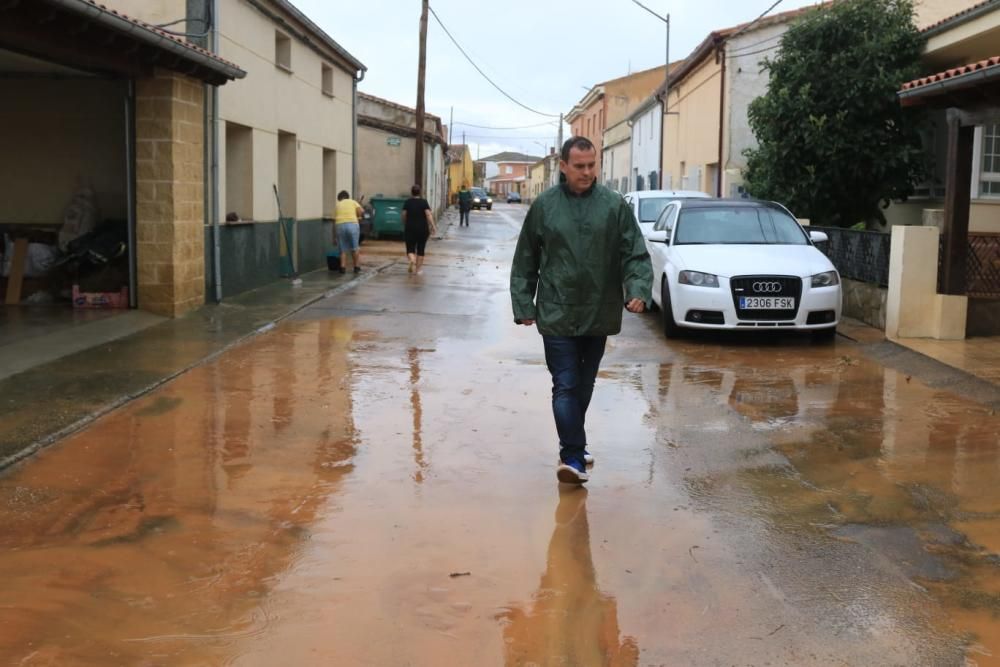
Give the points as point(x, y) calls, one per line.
point(373, 484)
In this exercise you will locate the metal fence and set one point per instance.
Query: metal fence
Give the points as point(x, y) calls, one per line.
point(858, 255)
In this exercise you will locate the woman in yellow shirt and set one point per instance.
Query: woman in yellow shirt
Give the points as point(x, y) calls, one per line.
point(347, 230)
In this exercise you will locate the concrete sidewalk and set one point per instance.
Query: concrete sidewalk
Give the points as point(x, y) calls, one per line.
point(45, 402)
point(978, 357)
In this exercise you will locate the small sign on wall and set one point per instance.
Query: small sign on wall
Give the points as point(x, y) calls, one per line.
point(393, 141)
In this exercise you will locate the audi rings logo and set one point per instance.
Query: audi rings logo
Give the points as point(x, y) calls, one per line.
point(761, 287)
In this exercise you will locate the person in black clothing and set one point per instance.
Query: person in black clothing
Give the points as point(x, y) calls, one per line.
point(418, 224)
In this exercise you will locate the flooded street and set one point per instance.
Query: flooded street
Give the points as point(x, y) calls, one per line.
point(373, 483)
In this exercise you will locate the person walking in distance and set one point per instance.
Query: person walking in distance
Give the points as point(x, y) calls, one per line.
point(418, 224)
point(580, 250)
point(347, 232)
point(464, 205)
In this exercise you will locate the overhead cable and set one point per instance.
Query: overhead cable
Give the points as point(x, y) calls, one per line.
point(520, 127)
point(471, 62)
point(749, 25)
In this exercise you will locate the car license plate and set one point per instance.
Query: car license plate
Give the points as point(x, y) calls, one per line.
point(767, 303)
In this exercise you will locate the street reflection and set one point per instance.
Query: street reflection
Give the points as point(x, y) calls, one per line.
point(154, 536)
point(569, 621)
point(413, 356)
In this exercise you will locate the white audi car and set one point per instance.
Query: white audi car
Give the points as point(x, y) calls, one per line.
point(648, 204)
point(741, 264)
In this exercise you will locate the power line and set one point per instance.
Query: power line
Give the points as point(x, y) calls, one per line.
point(520, 127)
point(748, 25)
point(753, 53)
point(471, 62)
point(763, 41)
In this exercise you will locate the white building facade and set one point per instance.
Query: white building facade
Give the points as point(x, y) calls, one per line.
point(645, 146)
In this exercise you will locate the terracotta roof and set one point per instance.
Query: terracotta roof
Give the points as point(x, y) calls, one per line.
point(152, 28)
point(952, 73)
point(959, 15)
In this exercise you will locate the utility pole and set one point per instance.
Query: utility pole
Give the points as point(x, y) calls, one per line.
point(418, 160)
point(559, 143)
point(451, 124)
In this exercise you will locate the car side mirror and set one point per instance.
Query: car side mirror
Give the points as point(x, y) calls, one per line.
point(819, 237)
point(661, 236)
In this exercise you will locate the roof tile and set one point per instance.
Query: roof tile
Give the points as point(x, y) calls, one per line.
point(952, 73)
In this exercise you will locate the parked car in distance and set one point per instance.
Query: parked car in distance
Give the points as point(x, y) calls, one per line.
point(741, 264)
point(648, 204)
point(513, 198)
point(480, 199)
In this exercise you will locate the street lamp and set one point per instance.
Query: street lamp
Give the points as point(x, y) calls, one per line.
point(666, 75)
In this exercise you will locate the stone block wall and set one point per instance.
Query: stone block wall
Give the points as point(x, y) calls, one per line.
point(169, 173)
point(865, 302)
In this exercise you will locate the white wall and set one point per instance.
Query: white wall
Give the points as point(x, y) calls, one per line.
point(616, 163)
point(745, 81)
point(646, 143)
point(270, 99)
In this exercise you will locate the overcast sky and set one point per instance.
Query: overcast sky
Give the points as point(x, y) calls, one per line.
point(544, 53)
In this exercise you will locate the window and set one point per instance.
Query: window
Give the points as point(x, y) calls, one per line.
point(508, 169)
point(741, 226)
point(283, 51)
point(989, 165)
point(666, 219)
point(287, 172)
point(239, 171)
point(651, 207)
point(327, 80)
point(329, 181)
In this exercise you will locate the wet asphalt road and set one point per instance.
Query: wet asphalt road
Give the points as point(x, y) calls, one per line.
point(373, 483)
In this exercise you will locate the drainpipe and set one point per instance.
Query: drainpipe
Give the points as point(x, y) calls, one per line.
point(216, 232)
point(358, 78)
point(721, 53)
point(133, 268)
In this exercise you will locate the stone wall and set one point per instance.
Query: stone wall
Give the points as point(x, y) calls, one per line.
point(865, 302)
point(169, 175)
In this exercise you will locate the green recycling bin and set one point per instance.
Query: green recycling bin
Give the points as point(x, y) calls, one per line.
point(388, 216)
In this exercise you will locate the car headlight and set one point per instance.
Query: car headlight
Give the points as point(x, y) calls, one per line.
point(698, 279)
point(826, 279)
point(489, 200)
point(475, 200)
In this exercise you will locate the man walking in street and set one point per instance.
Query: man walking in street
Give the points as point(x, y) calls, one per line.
point(580, 255)
point(464, 205)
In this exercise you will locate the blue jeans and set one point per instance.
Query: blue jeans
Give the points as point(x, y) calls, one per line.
point(573, 362)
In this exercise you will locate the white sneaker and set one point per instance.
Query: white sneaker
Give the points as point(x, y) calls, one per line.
point(569, 474)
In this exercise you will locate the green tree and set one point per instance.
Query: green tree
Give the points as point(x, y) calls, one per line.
point(834, 144)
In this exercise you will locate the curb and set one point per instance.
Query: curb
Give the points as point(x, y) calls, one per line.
point(83, 422)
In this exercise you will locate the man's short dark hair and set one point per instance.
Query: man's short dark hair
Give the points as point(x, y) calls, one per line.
point(415, 191)
point(579, 143)
point(343, 194)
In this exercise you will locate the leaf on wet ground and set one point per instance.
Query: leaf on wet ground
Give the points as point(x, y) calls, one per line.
point(459, 574)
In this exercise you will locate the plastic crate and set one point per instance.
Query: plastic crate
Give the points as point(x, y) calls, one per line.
point(100, 299)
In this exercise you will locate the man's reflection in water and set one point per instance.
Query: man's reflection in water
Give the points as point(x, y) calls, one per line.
point(569, 621)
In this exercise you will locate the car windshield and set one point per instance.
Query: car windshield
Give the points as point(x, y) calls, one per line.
point(650, 208)
point(737, 225)
point(478, 192)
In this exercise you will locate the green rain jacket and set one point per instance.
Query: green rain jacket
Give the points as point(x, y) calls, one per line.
point(579, 260)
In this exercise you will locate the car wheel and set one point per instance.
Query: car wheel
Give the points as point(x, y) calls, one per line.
point(824, 335)
point(670, 328)
point(490, 207)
